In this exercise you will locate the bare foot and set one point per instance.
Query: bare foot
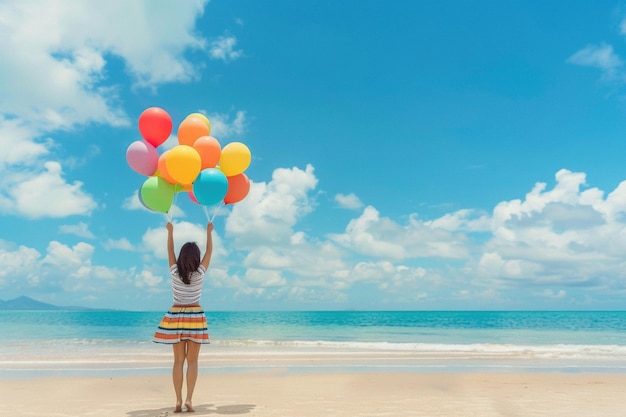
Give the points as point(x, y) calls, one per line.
point(189, 407)
point(178, 408)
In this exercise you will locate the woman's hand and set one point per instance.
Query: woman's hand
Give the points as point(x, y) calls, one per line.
point(170, 227)
point(209, 227)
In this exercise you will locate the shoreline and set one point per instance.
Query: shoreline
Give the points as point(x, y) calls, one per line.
point(280, 392)
point(158, 360)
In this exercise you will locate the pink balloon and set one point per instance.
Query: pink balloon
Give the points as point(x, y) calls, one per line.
point(142, 157)
point(192, 197)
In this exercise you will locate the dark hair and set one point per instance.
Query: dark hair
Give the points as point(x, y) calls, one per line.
point(188, 261)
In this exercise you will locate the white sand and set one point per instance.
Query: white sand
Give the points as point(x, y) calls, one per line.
point(278, 392)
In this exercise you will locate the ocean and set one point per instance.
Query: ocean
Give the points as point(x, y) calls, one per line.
point(119, 342)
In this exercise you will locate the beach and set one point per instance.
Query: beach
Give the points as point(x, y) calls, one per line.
point(280, 392)
point(293, 364)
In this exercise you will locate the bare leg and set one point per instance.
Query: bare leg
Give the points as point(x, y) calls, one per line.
point(177, 373)
point(193, 351)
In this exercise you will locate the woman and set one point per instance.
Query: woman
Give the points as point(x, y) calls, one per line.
point(184, 326)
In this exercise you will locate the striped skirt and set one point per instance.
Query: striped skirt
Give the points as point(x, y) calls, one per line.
point(182, 323)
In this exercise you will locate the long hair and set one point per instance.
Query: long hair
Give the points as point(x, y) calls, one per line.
point(188, 261)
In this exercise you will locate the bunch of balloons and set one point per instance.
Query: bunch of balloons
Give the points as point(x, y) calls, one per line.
point(198, 165)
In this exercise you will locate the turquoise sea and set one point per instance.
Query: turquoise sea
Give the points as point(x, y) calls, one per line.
point(105, 342)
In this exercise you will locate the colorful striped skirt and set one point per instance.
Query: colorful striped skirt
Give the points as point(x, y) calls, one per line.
point(182, 323)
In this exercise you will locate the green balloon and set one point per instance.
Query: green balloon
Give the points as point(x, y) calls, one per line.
point(157, 194)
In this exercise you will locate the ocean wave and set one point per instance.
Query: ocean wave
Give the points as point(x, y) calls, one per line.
point(473, 349)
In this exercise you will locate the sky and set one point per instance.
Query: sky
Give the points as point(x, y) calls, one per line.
point(405, 155)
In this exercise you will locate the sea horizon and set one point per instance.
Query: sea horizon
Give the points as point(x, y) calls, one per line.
point(104, 342)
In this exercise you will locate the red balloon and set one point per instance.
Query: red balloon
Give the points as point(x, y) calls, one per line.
point(155, 125)
point(238, 188)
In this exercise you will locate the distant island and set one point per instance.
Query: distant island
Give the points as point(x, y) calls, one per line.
point(27, 303)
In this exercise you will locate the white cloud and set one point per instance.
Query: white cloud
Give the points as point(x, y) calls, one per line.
point(18, 144)
point(61, 268)
point(13, 262)
point(378, 237)
point(598, 56)
point(223, 128)
point(349, 201)
point(224, 48)
point(564, 235)
point(81, 230)
point(155, 240)
point(150, 39)
point(567, 237)
point(264, 278)
point(56, 56)
point(270, 210)
point(45, 194)
point(548, 293)
point(119, 244)
point(147, 279)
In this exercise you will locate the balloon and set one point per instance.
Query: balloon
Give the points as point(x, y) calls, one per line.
point(209, 149)
point(141, 199)
point(157, 194)
point(186, 188)
point(183, 164)
point(203, 117)
point(238, 188)
point(210, 187)
point(155, 125)
point(235, 158)
point(191, 129)
point(162, 168)
point(192, 197)
point(142, 157)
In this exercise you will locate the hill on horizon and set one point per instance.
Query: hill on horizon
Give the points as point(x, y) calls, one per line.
point(27, 303)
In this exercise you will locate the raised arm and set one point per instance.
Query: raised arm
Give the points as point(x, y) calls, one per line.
point(171, 256)
point(206, 259)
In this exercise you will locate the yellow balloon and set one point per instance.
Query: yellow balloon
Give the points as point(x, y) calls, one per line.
point(235, 158)
point(183, 164)
point(204, 119)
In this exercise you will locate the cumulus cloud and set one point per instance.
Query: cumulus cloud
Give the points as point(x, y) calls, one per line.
point(18, 144)
point(119, 244)
point(270, 210)
point(45, 194)
point(349, 201)
point(57, 66)
point(61, 268)
point(379, 237)
point(567, 235)
point(150, 40)
point(154, 240)
point(81, 230)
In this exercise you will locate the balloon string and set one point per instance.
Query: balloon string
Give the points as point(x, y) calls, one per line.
point(216, 211)
point(206, 212)
point(169, 212)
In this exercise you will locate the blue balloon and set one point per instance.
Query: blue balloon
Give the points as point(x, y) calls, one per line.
point(210, 186)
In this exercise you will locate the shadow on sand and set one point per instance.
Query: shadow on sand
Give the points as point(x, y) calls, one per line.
point(201, 410)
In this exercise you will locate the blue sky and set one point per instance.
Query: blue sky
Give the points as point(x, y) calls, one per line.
point(405, 155)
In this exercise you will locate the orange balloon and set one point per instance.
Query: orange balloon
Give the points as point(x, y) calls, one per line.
point(162, 169)
point(238, 188)
point(209, 149)
point(191, 129)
